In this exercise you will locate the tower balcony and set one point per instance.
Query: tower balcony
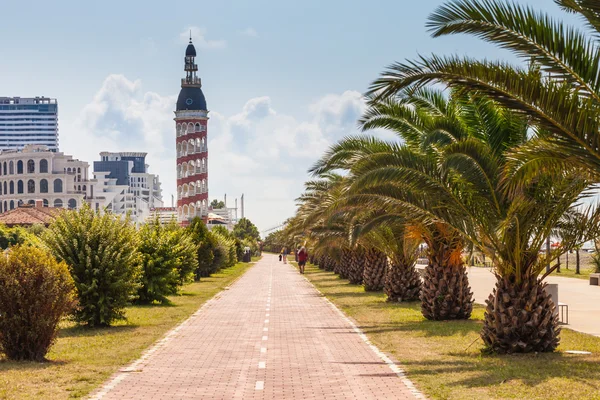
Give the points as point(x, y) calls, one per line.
point(191, 81)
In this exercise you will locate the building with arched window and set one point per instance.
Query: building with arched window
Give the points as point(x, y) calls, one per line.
point(191, 121)
point(54, 179)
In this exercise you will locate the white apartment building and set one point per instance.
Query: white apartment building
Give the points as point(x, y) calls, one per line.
point(58, 180)
point(129, 170)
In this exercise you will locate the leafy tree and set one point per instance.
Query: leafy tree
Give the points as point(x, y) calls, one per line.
point(217, 204)
point(13, 236)
point(245, 229)
point(168, 257)
point(101, 252)
point(35, 293)
point(206, 244)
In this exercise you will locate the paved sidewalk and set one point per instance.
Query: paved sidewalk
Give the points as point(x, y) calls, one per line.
point(270, 336)
point(583, 299)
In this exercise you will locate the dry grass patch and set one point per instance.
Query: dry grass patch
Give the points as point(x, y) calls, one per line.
point(83, 358)
point(443, 358)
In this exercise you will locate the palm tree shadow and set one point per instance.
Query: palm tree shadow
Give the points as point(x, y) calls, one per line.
point(531, 371)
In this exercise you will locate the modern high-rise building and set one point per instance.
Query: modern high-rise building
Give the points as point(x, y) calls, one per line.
point(191, 120)
point(26, 121)
point(130, 169)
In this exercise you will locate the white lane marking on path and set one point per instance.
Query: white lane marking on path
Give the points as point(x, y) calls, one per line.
point(266, 321)
point(260, 385)
point(265, 338)
point(395, 368)
point(262, 364)
point(263, 350)
point(265, 329)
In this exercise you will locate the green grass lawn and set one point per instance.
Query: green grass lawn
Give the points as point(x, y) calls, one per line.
point(83, 358)
point(444, 360)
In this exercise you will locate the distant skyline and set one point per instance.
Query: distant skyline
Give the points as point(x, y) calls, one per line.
point(283, 80)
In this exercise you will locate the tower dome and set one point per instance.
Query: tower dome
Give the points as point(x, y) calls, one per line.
point(191, 50)
point(191, 98)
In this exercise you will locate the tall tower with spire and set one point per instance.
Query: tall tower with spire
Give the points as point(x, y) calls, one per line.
point(191, 119)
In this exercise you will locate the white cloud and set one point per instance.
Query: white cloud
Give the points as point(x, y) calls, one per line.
point(259, 151)
point(250, 32)
point(199, 38)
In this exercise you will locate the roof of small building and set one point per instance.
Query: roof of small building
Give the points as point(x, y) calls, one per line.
point(26, 215)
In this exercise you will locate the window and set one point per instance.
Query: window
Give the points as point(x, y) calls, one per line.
point(31, 202)
point(19, 167)
point(79, 170)
point(5, 171)
point(58, 203)
point(43, 166)
point(83, 188)
point(11, 168)
point(12, 188)
point(45, 202)
point(5, 206)
point(20, 203)
point(30, 167)
point(58, 186)
point(20, 187)
point(12, 204)
point(30, 186)
point(5, 191)
point(72, 204)
point(43, 186)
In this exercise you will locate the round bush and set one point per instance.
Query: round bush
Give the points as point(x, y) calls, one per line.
point(35, 293)
point(101, 251)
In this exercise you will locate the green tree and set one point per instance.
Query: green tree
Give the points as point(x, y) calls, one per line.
point(206, 244)
point(217, 204)
point(13, 236)
point(101, 252)
point(245, 229)
point(168, 257)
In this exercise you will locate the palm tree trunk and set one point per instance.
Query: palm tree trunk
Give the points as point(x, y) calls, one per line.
point(374, 271)
point(344, 264)
point(402, 281)
point(520, 318)
point(446, 293)
point(577, 271)
point(357, 266)
point(329, 263)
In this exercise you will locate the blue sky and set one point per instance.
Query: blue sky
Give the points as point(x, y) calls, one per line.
point(282, 79)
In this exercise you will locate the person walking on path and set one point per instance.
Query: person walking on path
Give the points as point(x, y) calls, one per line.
point(284, 251)
point(302, 257)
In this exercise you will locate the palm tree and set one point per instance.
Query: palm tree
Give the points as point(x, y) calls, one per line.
point(559, 92)
point(426, 121)
point(453, 183)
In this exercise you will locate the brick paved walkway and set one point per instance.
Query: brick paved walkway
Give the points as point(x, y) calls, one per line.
point(270, 336)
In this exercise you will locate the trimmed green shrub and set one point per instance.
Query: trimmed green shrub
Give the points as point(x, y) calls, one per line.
point(35, 293)
point(206, 244)
point(101, 252)
point(168, 257)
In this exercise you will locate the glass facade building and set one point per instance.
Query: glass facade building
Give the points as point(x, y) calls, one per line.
point(26, 121)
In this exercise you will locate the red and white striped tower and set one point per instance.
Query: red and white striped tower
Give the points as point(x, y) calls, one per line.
point(191, 119)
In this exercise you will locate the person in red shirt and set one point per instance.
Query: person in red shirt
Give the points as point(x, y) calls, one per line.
point(302, 257)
